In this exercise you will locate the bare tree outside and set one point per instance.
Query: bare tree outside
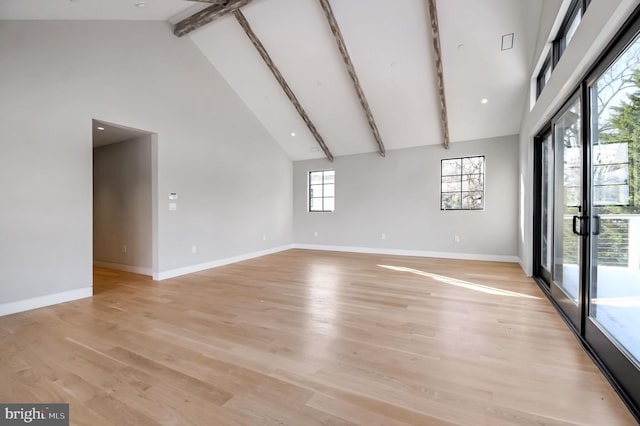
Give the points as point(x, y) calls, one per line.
point(462, 183)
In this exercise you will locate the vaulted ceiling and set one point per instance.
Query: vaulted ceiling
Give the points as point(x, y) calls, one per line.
point(389, 44)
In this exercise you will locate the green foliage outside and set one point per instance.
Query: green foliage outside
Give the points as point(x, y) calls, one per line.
point(622, 126)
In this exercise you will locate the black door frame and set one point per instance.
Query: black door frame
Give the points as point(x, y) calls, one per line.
point(623, 375)
point(572, 314)
point(538, 270)
point(625, 371)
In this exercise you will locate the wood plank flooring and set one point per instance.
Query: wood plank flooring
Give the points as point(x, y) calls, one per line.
point(307, 338)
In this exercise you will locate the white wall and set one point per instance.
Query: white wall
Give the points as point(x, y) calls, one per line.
point(233, 180)
point(122, 211)
point(598, 27)
point(399, 195)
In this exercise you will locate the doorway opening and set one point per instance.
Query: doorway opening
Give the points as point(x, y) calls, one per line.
point(124, 212)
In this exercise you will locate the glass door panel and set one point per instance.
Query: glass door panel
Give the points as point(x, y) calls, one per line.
point(568, 219)
point(546, 207)
point(587, 217)
point(614, 303)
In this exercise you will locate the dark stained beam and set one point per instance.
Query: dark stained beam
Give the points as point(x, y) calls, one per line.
point(217, 9)
point(283, 83)
point(435, 35)
point(337, 34)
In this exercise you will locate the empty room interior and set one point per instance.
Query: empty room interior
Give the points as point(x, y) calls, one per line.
point(306, 212)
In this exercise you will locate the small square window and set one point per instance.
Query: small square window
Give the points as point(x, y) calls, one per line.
point(322, 191)
point(462, 183)
point(544, 75)
point(569, 26)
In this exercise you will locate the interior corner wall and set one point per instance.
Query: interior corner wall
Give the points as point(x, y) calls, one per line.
point(599, 25)
point(399, 196)
point(122, 210)
point(234, 181)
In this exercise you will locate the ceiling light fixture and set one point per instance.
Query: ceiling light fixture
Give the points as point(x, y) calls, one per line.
point(100, 128)
point(484, 100)
point(293, 134)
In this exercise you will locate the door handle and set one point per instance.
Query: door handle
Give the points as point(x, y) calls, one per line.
point(575, 220)
point(596, 225)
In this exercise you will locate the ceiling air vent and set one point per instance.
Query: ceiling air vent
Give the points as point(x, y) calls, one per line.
point(507, 41)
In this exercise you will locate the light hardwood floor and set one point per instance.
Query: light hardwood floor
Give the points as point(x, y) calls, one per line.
point(304, 338)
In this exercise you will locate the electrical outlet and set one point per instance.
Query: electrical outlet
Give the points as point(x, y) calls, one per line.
point(264, 238)
point(124, 248)
point(383, 236)
point(194, 249)
point(456, 238)
point(315, 234)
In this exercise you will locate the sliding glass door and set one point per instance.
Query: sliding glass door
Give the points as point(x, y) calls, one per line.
point(614, 281)
point(588, 211)
point(561, 223)
point(568, 220)
point(546, 154)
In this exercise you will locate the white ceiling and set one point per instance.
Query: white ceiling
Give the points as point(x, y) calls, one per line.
point(389, 46)
point(153, 10)
point(480, 69)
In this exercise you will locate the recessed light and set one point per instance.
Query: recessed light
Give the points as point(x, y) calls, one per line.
point(100, 128)
point(484, 100)
point(293, 133)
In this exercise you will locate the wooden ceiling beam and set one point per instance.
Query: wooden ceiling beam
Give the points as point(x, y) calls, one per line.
point(337, 34)
point(283, 83)
point(217, 9)
point(435, 36)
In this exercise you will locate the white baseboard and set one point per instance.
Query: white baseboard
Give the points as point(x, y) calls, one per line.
point(528, 272)
point(416, 253)
point(172, 273)
point(127, 268)
point(67, 296)
point(42, 301)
